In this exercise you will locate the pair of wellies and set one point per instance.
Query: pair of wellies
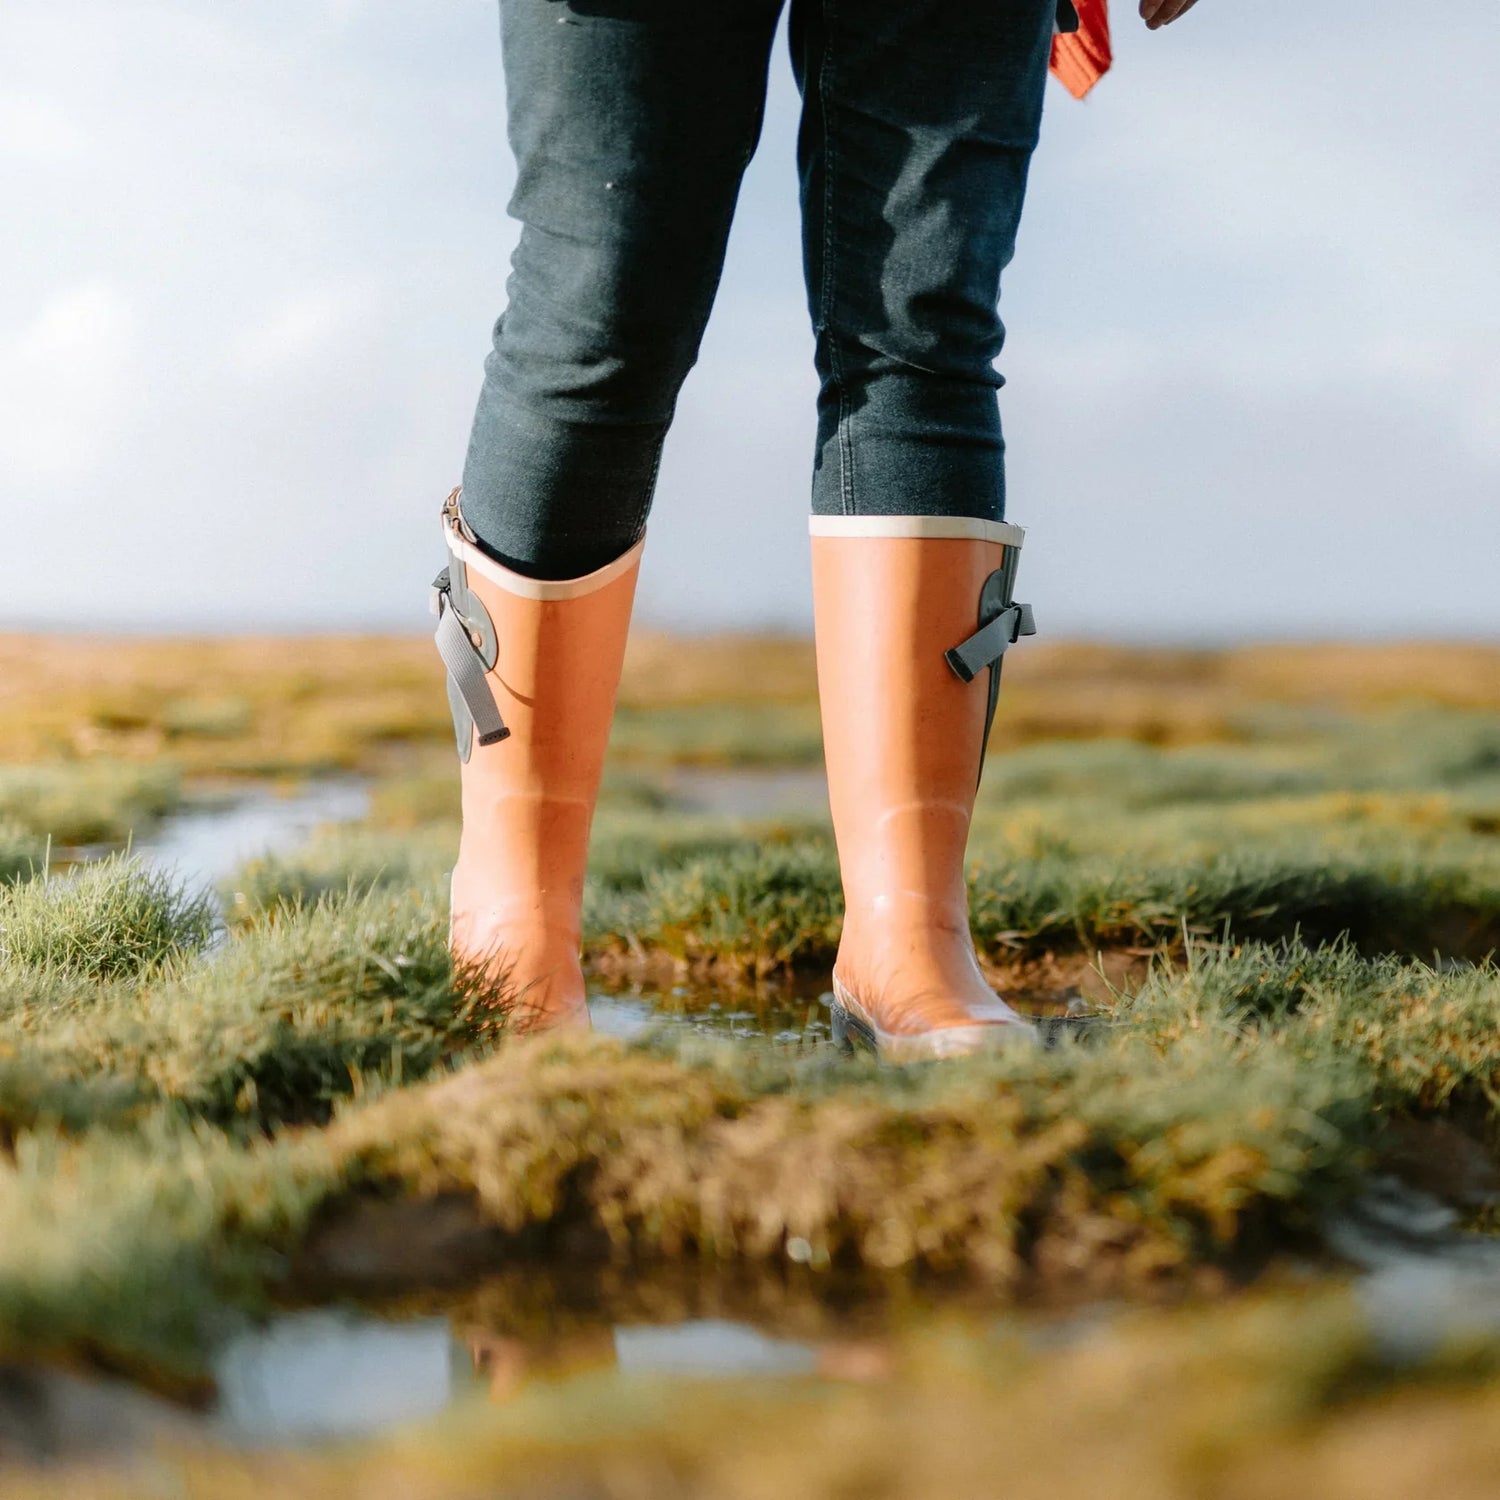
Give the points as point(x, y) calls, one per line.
point(913, 615)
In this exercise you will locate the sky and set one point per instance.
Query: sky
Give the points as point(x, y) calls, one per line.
point(252, 251)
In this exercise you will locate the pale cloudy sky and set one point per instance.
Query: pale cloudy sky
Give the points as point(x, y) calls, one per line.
point(252, 250)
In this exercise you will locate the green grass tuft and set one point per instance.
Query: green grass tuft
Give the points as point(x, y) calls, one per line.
point(109, 920)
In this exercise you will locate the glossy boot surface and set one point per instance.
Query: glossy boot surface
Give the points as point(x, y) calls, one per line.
point(528, 798)
point(904, 740)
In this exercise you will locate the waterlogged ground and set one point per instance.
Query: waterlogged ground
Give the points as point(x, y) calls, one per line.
point(269, 1178)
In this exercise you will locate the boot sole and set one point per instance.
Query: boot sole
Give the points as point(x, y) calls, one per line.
point(852, 1025)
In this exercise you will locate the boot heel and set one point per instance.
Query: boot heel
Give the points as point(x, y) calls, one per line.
point(850, 1034)
point(838, 1024)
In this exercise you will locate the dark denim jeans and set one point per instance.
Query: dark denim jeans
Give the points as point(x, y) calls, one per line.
point(632, 122)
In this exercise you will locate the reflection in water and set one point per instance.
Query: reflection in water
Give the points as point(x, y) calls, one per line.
point(321, 1374)
point(785, 1016)
point(705, 1348)
point(504, 1362)
point(325, 1374)
point(711, 1347)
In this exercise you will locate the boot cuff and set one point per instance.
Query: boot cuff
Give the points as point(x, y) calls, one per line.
point(959, 528)
point(512, 582)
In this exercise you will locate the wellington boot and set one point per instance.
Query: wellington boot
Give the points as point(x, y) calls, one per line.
point(534, 668)
point(904, 728)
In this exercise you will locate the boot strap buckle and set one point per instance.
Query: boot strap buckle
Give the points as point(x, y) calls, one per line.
point(465, 664)
point(991, 641)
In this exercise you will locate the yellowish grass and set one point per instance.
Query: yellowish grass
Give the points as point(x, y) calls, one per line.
point(260, 705)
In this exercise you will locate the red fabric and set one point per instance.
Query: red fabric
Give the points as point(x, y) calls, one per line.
point(1081, 58)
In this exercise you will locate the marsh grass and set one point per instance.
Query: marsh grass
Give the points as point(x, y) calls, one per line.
point(312, 1005)
point(369, 703)
point(115, 919)
point(348, 861)
point(766, 899)
point(129, 1248)
point(148, 1136)
point(719, 734)
point(181, 1127)
point(99, 802)
point(1384, 831)
point(766, 906)
point(21, 852)
point(149, 1174)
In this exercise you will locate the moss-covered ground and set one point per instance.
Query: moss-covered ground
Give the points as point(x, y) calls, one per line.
point(1282, 892)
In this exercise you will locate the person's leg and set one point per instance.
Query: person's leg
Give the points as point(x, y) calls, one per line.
point(632, 121)
point(919, 121)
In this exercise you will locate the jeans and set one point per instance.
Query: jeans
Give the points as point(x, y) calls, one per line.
point(632, 122)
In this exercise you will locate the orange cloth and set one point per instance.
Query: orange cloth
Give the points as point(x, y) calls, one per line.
point(1081, 58)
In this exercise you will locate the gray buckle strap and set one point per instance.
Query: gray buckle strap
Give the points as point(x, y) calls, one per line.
point(466, 669)
point(991, 641)
point(1001, 624)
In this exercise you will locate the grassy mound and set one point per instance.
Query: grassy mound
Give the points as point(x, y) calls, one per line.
point(188, 1125)
point(169, 1138)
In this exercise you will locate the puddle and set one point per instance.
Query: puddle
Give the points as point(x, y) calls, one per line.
point(329, 1374)
point(790, 1016)
point(205, 845)
point(785, 1016)
point(322, 1375)
point(1427, 1281)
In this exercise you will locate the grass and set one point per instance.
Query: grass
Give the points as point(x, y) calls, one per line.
point(765, 908)
point(112, 920)
point(97, 802)
point(1304, 867)
point(765, 899)
point(306, 1008)
point(1241, 1097)
point(368, 703)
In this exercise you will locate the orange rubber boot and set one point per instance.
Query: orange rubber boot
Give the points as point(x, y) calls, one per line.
point(534, 667)
point(903, 733)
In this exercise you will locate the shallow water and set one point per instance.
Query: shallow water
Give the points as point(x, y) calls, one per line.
point(204, 845)
point(1428, 1282)
point(325, 1374)
point(777, 1015)
point(788, 1014)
